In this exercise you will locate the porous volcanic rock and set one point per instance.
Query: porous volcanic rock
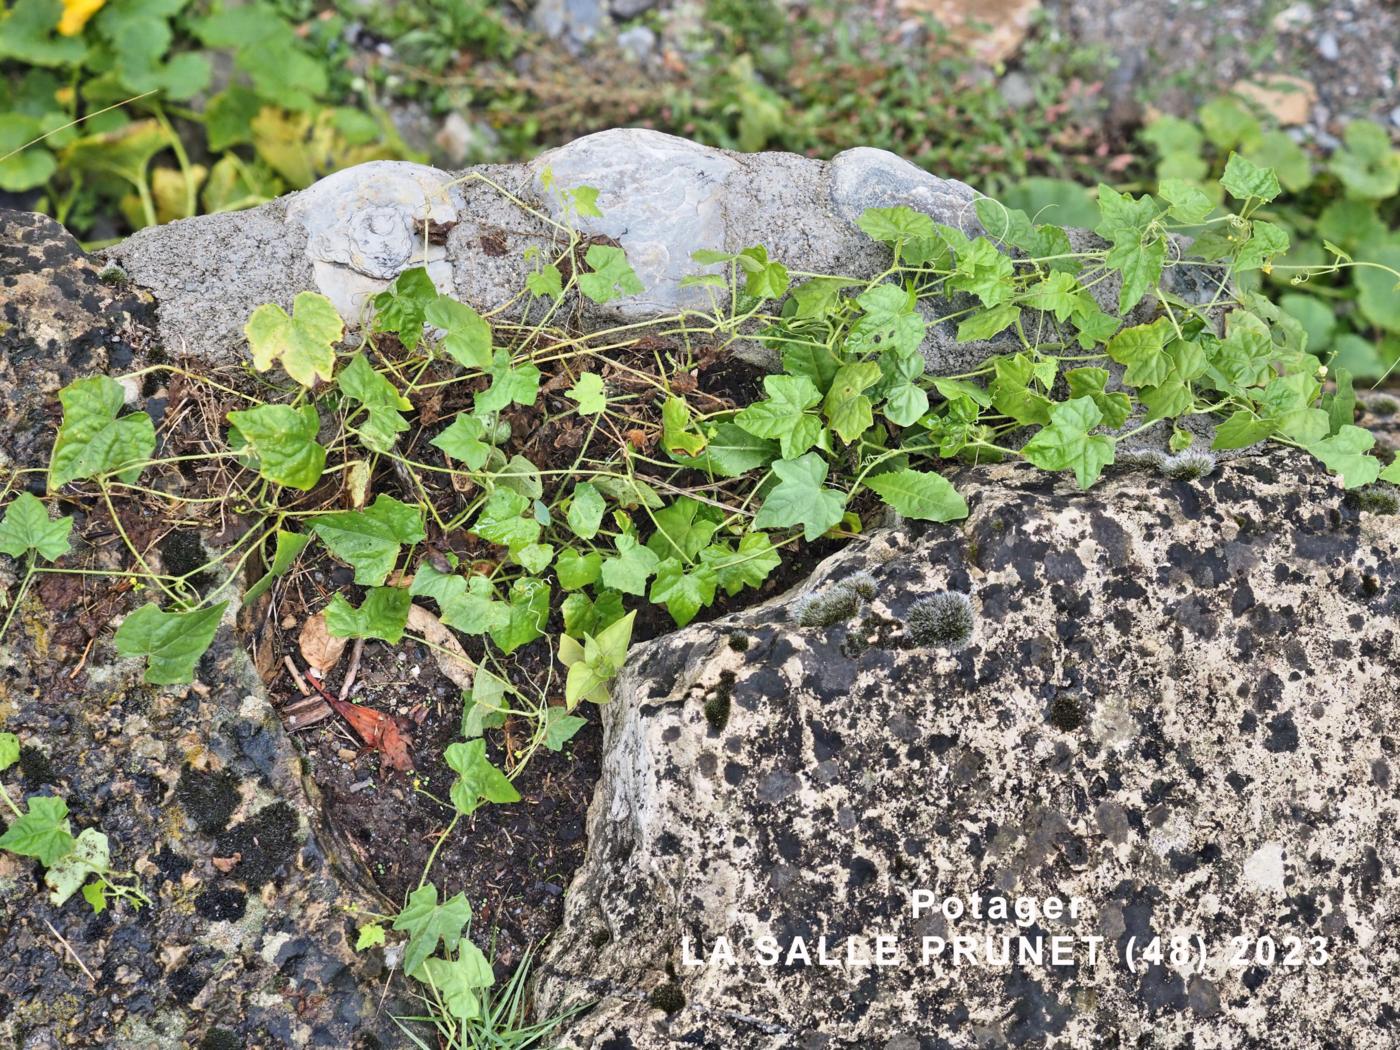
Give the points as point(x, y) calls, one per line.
point(198, 789)
point(1179, 703)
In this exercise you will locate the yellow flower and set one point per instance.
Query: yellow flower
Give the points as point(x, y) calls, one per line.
point(76, 14)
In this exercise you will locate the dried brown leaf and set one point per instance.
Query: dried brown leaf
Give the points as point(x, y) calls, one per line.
point(452, 659)
point(319, 649)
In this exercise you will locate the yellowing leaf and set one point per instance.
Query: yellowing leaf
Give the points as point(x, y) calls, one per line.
point(303, 342)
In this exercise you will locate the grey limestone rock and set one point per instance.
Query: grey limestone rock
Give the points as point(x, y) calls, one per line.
point(1179, 705)
point(366, 225)
point(662, 199)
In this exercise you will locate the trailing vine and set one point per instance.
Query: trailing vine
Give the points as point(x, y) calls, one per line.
point(413, 452)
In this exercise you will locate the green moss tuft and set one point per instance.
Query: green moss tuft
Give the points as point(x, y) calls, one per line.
point(35, 766)
point(836, 603)
point(717, 711)
point(863, 584)
point(208, 798)
point(1187, 466)
point(1378, 499)
point(717, 701)
point(220, 1039)
point(945, 619)
point(668, 997)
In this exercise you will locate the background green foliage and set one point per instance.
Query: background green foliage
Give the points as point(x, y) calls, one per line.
point(1350, 200)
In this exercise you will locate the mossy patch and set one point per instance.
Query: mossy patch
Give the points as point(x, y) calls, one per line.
point(1066, 713)
point(873, 632)
point(35, 765)
point(942, 620)
point(667, 997)
point(717, 701)
point(181, 553)
point(265, 841)
point(220, 1039)
point(208, 797)
point(1377, 499)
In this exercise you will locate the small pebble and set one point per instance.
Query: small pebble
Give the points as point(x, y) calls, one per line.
point(1395, 116)
point(1292, 17)
point(363, 785)
point(1017, 90)
point(639, 42)
point(1327, 47)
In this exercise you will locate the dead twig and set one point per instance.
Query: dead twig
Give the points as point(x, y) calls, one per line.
point(69, 948)
point(349, 682)
point(301, 685)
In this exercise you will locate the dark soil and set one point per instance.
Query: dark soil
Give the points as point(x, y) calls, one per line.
point(513, 862)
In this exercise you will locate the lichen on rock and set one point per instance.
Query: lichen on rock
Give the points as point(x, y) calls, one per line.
point(1171, 687)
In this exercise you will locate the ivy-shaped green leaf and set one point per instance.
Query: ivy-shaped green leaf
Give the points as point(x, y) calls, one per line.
point(464, 440)
point(847, 408)
point(748, 566)
point(504, 520)
point(684, 593)
point(383, 615)
point(402, 308)
point(477, 780)
point(612, 276)
point(93, 440)
point(586, 509)
point(288, 549)
point(684, 528)
point(1244, 179)
point(27, 527)
point(629, 569)
point(468, 605)
point(369, 540)
point(42, 832)
point(429, 923)
point(1140, 350)
point(1346, 452)
point(889, 320)
point(509, 385)
point(528, 609)
point(466, 334)
point(459, 980)
point(284, 440)
point(171, 642)
point(783, 416)
point(589, 394)
point(1067, 445)
point(379, 398)
point(800, 498)
point(918, 494)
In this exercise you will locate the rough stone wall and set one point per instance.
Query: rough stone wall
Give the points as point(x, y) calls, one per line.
point(662, 198)
point(1180, 702)
point(248, 952)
